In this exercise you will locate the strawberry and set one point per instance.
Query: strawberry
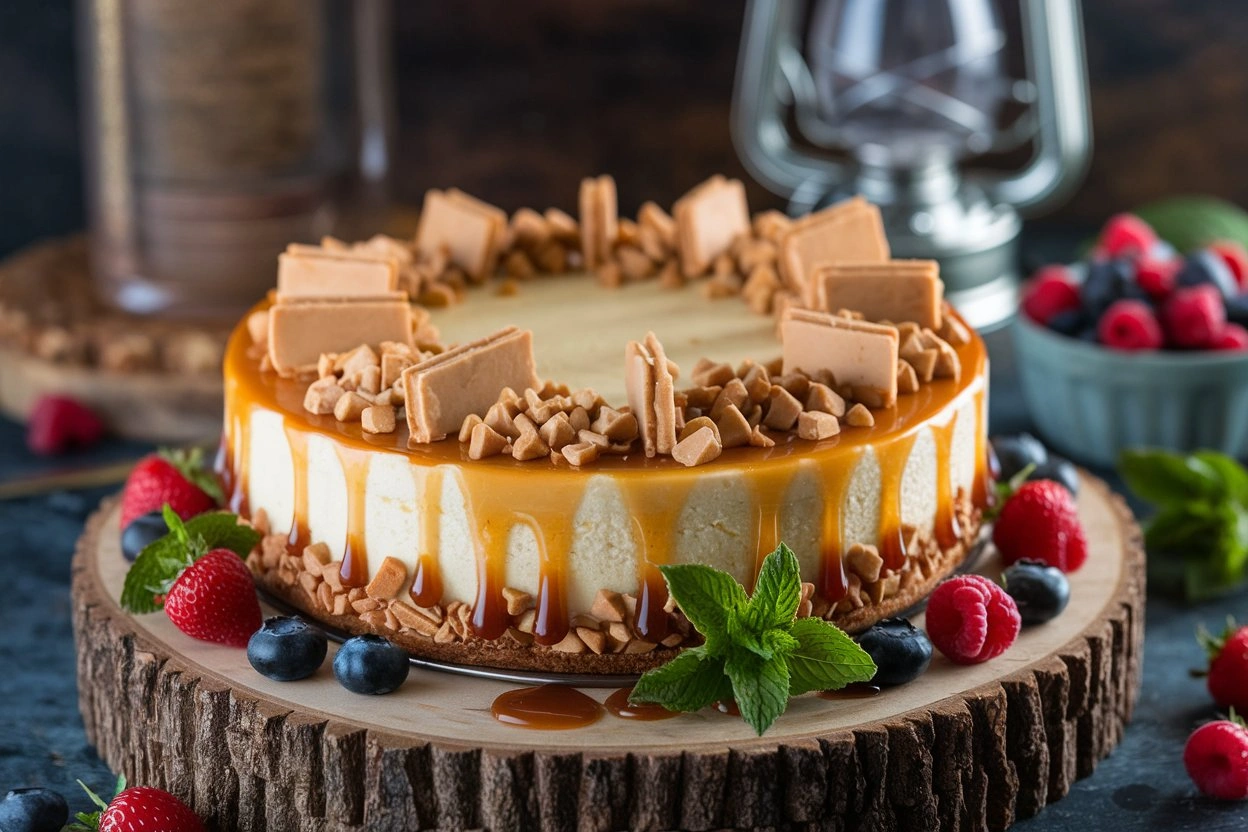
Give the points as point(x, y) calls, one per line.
point(1216, 758)
point(58, 423)
point(1228, 666)
point(138, 809)
point(1040, 522)
point(214, 599)
point(169, 476)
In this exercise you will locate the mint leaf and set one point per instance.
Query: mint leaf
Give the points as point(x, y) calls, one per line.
point(760, 687)
point(689, 682)
point(826, 658)
point(706, 596)
point(1166, 478)
point(161, 561)
point(765, 643)
point(777, 592)
point(1234, 476)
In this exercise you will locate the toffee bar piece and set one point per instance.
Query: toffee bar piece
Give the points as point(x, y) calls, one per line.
point(300, 332)
point(440, 392)
point(897, 290)
point(708, 219)
point(308, 272)
point(650, 381)
point(847, 232)
point(471, 231)
point(859, 354)
point(600, 225)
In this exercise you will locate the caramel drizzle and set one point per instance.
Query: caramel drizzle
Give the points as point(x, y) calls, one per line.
point(299, 536)
point(655, 510)
point(892, 458)
point(354, 570)
point(947, 529)
point(980, 489)
point(770, 488)
point(835, 477)
point(426, 589)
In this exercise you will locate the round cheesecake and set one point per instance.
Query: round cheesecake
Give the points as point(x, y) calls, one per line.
point(541, 565)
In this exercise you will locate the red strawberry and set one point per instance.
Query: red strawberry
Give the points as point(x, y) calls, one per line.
point(139, 809)
point(1216, 758)
point(59, 423)
point(214, 599)
point(1040, 522)
point(1228, 666)
point(170, 476)
point(1194, 316)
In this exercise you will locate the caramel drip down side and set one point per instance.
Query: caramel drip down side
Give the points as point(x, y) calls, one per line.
point(299, 536)
point(981, 488)
point(947, 530)
point(892, 458)
point(426, 589)
point(835, 473)
point(355, 552)
point(771, 487)
point(547, 509)
point(655, 510)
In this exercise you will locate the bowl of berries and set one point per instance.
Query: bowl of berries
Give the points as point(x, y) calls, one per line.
point(1138, 345)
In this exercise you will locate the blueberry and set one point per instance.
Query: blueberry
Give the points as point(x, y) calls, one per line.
point(1068, 322)
point(144, 529)
point(1041, 591)
point(1060, 470)
point(1108, 281)
point(900, 650)
point(33, 810)
point(1207, 267)
point(1237, 309)
point(1017, 452)
point(370, 664)
point(286, 648)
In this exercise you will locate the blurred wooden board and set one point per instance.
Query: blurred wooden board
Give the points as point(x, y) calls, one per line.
point(50, 286)
point(963, 747)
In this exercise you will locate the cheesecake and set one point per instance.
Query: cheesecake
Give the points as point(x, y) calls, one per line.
point(483, 450)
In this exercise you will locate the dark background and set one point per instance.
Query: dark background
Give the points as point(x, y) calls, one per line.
point(641, 89)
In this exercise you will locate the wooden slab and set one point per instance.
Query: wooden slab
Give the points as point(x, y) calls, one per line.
point(963, 747)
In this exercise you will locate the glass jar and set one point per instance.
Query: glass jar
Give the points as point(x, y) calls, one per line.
point(216, 133)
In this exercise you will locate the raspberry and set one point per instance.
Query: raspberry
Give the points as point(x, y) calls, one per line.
point(1194, 316)
point(1130, 325)
point(1216, 758)
point(1157, 277)
point(1040, 522)
point(1233, 337)
point(1050, 291)
point(1235, 258)
point(971, 620)
point(1126, 235)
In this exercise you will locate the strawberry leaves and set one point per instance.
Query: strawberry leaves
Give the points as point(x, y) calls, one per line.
point(191, 465)
point(162, 561)
point(756, 652)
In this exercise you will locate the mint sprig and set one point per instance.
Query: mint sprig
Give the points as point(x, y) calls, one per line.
point(161, 562)
point(757, 651)
point(1199, 535)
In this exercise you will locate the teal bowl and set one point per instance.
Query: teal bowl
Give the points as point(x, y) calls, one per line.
point(1090, 403)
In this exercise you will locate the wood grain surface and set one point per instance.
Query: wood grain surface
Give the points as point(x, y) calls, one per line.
point(963, 748)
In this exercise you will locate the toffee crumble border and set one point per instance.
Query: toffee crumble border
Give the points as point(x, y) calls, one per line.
point(981, 759)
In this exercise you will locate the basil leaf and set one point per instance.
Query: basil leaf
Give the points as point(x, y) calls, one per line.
point(1166, 478)
point(826, 658)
